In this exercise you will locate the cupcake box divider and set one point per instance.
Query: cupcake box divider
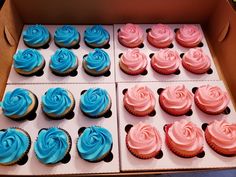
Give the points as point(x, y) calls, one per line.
point(170, 161)
point(81, 77)
point(149, 49)
point(76, 165)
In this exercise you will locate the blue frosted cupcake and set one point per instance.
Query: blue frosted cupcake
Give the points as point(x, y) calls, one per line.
point(52, 145)
point(95, 102)
point(95, 144)
point(36, 36)
point(66, 36)
point(19, 104)
point(63, 62)
point(28, 62)
point(58, 103)
point(14, 146)
point(96, 63)
point(96, 36)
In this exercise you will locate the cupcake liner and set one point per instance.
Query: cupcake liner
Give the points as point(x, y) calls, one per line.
point(203, 108)
point(67, 72)
point(139, 114)
point(66, 112)
point(94, 72)
point(140, 156)
point(29, 113)
point(27, 150)
point(216, 148)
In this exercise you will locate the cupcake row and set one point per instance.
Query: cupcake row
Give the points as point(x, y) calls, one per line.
point(63, 62)
point(67, 36)
point(176, 100)
point(57, 103)
point(53, 145)
point(160, 36)
point(165, 61)
point(182, 137)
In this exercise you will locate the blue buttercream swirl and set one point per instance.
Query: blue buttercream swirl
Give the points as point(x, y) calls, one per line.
point(56, 101)
point(16, 102)
point(94, 143)
point(28, 59)
point(66, 35)
point(96, 35)
point(51, 145)
point(94, 101)
point(13, 145)
point(63, 60)
point(97, 60)
point(36, 35)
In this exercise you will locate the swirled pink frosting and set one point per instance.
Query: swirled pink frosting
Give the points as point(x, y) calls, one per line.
point(196, 60)
point(222, 134)
point(212, 98)
point(186, 136)
point(130, 35)
point(140, 98)
point(189, 36)
point(134, 60)
point(176, 99)
point(160, 35)
point(144, 139)
point(166, 61)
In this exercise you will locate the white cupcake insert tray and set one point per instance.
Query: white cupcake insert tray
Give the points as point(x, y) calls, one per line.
point(81, 77)
point(76, 165)
point(170, 161)
point(149, 49)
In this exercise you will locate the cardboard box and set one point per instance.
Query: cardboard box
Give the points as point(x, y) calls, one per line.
point(218, 19)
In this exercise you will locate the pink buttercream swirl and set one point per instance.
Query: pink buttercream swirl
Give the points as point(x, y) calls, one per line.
point(134, 60)
point(196, 61)
point(186, 136)
point(166, 61)
point(212, 98)
point(189, 35)
point(177, 99)
point(160, 35)
point(140, 98)
point(144, 139)
point(223, 134)
point(131, 35)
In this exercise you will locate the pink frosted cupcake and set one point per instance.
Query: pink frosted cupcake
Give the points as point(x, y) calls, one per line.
point(184, 138)
point(165, 61)
point(133, 62)
point(160, 36)
point(131, 35)
point(176, 100)
point(139, 100)
point(196, 61)
point(221, 137)
point(189, 36)
point(211, 99)
point(143, 141)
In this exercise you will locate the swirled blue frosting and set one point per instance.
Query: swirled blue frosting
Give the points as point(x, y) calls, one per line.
point(66, 35)
point(36, 35)
point(28, 59)
point(97, 60)
point(13, 145)
point(16, 102)
point(94, 143)
point(94, 101)
point(51, 145)
point(96, 35)
point(56, 101)
point(63, 60)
